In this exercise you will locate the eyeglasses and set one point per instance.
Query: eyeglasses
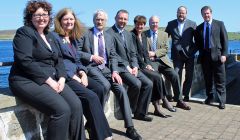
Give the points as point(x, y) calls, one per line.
point(40, 15)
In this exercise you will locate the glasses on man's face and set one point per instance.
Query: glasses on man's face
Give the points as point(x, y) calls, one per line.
point(40, 15)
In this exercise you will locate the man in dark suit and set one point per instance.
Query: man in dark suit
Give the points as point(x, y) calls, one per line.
point(212, 41)
point(183, 48)
point(98, 53)
point(139, 86)
point(157, 46)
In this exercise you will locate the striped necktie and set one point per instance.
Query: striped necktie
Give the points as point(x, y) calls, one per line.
point(154, 42)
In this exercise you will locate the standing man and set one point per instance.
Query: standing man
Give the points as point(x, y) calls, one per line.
point(139, 86)
point(157, 46)
point(98, 53)
point(183, 48)
point(212, 41)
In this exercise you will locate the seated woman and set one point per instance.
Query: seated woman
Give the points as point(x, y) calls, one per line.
point(68, 29)
point(38, 75)
point(159, 91)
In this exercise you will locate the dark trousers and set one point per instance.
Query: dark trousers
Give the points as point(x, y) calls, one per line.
point(159, 90)
point(92, 109)
point(214, 73)
point(104, 77)
point(189, 68)
point(171, 75)
point(139, 91)
point(64, 109)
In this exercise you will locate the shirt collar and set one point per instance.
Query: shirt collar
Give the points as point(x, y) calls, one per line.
point(181, 22)
point(210, 22)
point(96, 31)
point(119, 31)
point(151, 31)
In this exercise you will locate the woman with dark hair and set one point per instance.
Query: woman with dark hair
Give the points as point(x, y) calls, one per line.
point(69, 30)
point(38, 75)
point(159, 91)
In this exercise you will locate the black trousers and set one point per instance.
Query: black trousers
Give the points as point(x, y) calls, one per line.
point(171, 75)
point(64, 109)
point(159, 90)
point(139, 91)
point(92, 108)
point(104, 77)
point(189, 68)
point(214, 74)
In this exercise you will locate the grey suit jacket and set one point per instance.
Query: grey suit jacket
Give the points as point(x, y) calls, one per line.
point(218, 40)
point(182, 45)
point(162, 46)
point(86, 49)
point(126, 53)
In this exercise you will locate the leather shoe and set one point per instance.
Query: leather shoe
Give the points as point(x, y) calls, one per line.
point(183, 105)
point(131, 133)
point(186, 99)
point(160, 114)
point(221, 106)
point(171, 109)
point(143, 117)
point(208, 101)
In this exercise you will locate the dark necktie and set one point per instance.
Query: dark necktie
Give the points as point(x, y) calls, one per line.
point(207, 37)
point(101, 50)
point(154, 43)
point(123, 38)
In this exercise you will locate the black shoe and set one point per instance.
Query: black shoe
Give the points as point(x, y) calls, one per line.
point(208, 101)
point(171, 109)
point(161, 114)
point(143, 117)
point(181, 104)
point(131, 133)
point(186, 99)
point(221, 106)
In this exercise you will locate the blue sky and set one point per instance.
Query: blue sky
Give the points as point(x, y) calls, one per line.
point(228, 11)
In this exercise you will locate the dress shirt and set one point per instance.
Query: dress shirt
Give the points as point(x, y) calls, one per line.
point(204, 32)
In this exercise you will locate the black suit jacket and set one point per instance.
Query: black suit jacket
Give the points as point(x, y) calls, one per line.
point(33, 59)
point(141, 47)
point(71, 57)
point(219, 40)
point(86, 49)
point(182, 43)
point(126, 53)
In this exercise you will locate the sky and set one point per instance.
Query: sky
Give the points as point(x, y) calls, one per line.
point(227, 11)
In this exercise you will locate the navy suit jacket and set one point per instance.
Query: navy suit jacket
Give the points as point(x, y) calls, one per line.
point(126, 52)
point(218, 40)
point(87, 49)
point(33, 59)
point(71, 57)
point(182, 42)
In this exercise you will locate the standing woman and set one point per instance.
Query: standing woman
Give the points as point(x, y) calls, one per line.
point(69, 29)
point(38, 75)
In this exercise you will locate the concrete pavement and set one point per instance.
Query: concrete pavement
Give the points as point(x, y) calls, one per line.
point(202, 122)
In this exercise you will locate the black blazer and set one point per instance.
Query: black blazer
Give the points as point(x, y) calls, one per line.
point(182, 42)
point(125, 49)
point(33, 60)
point(219, 40)
point(86, 49)
point(141, 47)
point(71, 57)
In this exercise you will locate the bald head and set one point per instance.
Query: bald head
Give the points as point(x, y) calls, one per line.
point(153, 23)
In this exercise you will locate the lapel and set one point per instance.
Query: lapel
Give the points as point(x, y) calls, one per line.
point(186, 24)
point(106, 41)
point(91, 40)
point(41, 41)
point(213, 28)
point(175, 28)
point(148, 34)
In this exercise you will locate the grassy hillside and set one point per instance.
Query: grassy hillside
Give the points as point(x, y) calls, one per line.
point(9, 34)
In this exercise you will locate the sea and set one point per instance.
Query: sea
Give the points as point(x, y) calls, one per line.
point(6, 55)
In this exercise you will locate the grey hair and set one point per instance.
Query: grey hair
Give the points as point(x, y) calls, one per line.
point(154, 16)
point(100, 12)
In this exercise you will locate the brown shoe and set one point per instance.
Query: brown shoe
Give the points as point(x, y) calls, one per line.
point(183, 105)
